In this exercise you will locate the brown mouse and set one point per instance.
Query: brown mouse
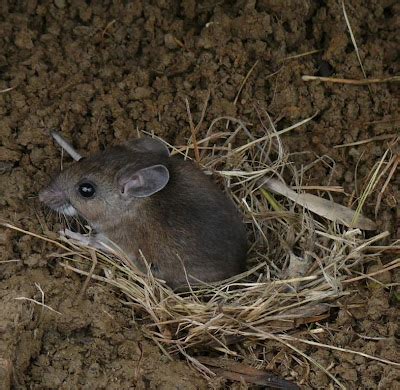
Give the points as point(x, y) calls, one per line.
point(141, 199)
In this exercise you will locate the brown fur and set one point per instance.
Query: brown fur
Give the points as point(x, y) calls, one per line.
point(189, 223)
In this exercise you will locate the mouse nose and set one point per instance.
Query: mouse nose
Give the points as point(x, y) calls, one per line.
point(52, 198)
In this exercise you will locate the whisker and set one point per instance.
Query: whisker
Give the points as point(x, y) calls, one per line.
point(66, 220)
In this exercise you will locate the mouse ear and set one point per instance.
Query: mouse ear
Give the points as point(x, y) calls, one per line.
point(148, 144)
point(143, 182)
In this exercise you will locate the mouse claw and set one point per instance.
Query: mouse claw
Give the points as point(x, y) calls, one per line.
point(63, 233)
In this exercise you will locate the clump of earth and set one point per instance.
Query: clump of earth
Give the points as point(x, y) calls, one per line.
point(101, 72)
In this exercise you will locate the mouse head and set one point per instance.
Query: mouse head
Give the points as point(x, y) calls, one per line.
point(110, 184)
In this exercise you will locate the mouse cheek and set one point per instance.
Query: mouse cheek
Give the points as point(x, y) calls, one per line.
point(90, 211)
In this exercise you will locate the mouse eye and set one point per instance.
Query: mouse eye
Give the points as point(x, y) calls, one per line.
point(87, 190)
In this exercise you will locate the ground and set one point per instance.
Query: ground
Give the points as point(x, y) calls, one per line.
point(100, 73)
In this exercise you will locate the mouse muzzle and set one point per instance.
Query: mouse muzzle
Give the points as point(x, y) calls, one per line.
point(56, 200)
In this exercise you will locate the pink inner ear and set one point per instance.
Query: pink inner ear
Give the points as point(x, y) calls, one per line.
point(134, 181)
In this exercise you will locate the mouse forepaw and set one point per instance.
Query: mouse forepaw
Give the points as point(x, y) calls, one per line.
point(83, 240)
point(96, 241)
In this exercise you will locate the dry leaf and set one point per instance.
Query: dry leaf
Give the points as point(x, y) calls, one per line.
point(242, 372)
point(323, 207)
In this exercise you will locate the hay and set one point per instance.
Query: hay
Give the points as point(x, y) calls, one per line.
point(299, 263)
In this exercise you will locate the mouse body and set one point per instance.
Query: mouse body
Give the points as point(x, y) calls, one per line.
point(143, 200)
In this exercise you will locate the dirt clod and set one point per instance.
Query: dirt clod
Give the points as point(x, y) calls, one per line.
point(98, 73)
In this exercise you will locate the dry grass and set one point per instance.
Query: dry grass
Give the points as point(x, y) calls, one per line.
point(351, 81)
point(299, 263)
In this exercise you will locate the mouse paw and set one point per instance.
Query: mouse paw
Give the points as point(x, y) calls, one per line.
point(83, 240)
point(93, 241)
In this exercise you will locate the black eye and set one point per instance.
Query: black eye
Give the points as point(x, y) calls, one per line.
point(86, 190)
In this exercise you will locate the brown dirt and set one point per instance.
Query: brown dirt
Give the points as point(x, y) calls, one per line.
point(101, 72)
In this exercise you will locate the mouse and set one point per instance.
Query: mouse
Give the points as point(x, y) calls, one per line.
point(153, 206)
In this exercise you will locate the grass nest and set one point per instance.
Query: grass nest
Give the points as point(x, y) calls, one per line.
point(299, 264)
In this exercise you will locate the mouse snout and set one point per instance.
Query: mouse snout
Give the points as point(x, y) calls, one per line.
point(53, 198)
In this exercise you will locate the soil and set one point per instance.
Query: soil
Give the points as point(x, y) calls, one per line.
point(100, 72)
